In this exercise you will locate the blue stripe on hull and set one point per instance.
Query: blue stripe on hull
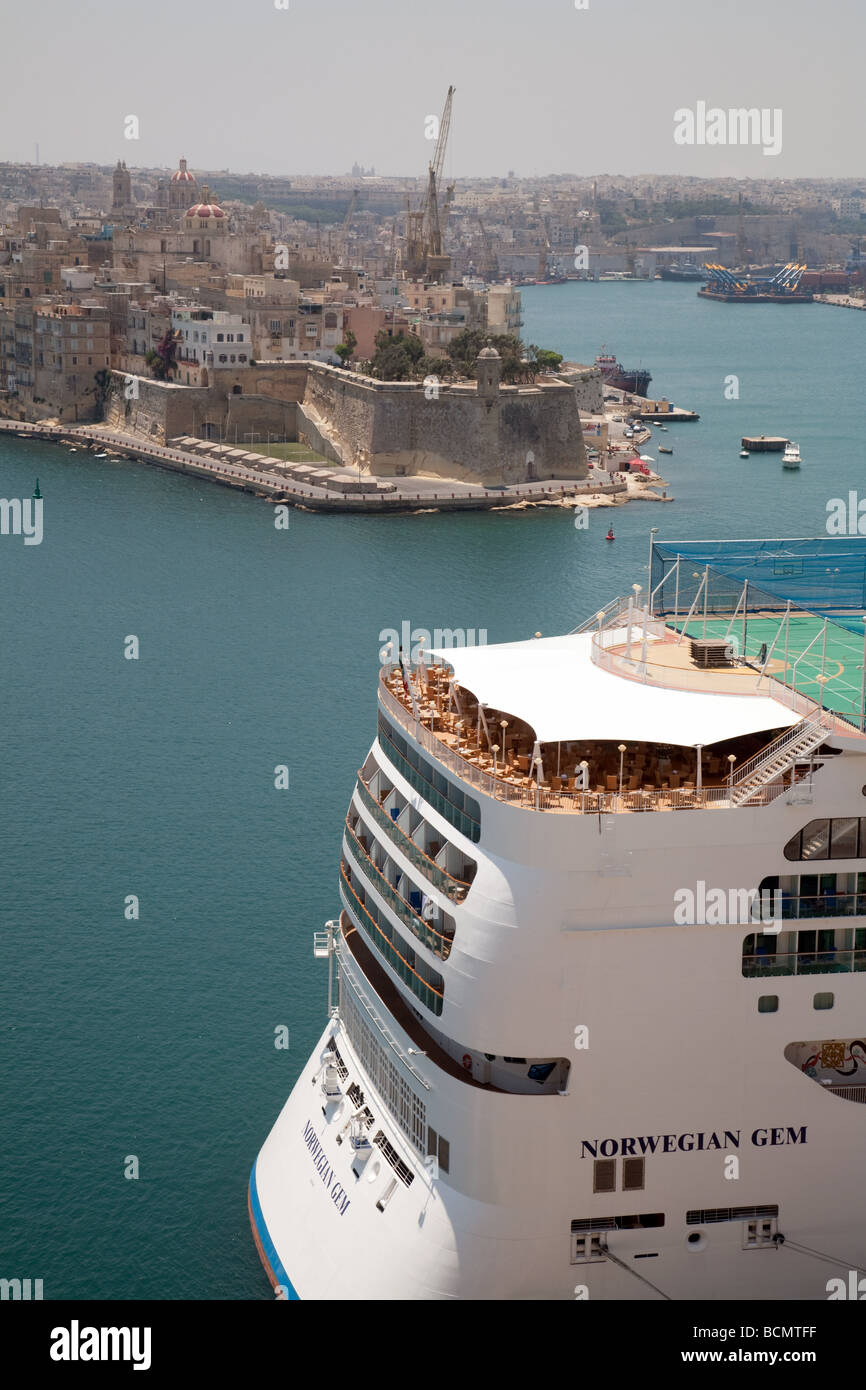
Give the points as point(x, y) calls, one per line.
point(268, 1246)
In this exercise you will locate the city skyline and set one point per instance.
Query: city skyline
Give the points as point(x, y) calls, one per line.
point(306, 91)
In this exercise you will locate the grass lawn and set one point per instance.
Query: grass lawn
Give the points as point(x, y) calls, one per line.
point(290, 453)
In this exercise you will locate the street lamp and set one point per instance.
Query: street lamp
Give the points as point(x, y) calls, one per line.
point(621, 755)
point(494, 750)
point(699, 783)
point(732, 758)
point(583, 769)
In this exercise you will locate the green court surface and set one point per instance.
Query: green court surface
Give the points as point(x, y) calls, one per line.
point(840, 659)
point(289, 453)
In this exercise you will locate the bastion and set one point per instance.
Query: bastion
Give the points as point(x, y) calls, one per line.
point(480, 432)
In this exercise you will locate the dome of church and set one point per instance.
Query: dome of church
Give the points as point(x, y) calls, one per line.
point(182, 174)
point(205, 209)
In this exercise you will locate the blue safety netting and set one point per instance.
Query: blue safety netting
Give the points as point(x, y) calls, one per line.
point(824, 575)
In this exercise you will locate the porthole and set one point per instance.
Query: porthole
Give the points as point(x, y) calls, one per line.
point(823, 1001)
point(696, 1240)
point(768, 1003)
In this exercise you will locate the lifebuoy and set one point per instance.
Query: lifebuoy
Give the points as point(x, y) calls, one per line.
point(467, 1061)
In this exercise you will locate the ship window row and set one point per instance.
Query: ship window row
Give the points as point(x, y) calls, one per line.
point(769, 1003)
point(425, 982)
point(710, 1216)
point(842, 837)
point(440, 861)
point(825, 951)
point(415, 908)
point(604, 1174)
point(792, 896)
point(405, 1106)
point(460, 810)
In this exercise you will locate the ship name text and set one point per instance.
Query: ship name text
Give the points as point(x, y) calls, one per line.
point(336, 1190)
point(686, 1143)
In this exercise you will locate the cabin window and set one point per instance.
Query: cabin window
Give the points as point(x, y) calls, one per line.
point(604, 1175)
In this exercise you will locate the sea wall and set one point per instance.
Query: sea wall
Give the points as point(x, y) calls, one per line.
point(399, 429)
point(501, 435)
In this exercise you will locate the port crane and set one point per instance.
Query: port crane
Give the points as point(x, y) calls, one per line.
point(425, 257)
point(343, 239)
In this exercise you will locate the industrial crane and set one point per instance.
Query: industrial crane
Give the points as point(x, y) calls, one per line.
point(424, 254)
point(343, 239)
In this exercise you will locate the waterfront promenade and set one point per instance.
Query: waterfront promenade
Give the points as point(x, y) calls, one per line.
point(415, 494)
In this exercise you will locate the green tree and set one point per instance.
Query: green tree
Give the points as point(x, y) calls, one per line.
point(345, 349)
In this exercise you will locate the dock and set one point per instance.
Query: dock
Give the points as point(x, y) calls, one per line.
point(675, 416)
point(763, 443)
point(274, 483)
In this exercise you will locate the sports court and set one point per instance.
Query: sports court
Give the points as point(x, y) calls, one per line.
point(754, 594)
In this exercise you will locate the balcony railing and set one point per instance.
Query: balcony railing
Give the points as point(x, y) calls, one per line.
point(804, 963)
point(537, 798)
point(455, 888)
point(428, 993)
point(437, 942)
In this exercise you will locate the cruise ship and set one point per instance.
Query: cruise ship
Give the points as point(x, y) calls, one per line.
point(596, 1025)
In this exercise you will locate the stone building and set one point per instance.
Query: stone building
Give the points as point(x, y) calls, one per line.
point(52, 358)
point(121, 189)
point(180, 191)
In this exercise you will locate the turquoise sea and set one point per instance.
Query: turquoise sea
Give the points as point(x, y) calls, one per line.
point(154, 1037)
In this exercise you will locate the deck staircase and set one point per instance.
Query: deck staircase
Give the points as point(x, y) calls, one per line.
point(793, 746)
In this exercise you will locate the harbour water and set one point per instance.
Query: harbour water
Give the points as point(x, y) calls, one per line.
point(154, 1037)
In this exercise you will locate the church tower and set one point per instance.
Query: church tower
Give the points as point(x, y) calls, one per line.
point(121, 187)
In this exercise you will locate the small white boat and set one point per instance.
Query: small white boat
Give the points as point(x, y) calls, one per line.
point(663, 427)
point(664, 450)
point(744, 453)
point(100, 456)
point(791, 456)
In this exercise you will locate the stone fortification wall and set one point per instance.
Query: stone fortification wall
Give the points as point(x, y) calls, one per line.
point(588, 386)
point(401, 428)
point(492, 435)
point(255, 400)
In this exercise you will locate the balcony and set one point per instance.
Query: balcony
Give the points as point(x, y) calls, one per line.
point(439, 942)
point(454, 888)
point(425, 983)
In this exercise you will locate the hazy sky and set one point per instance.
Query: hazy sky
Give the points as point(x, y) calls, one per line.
point(542, 87)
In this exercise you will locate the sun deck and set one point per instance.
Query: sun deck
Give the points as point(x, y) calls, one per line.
point(633, 716)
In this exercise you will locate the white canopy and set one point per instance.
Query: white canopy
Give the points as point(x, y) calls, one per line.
point(553, 684)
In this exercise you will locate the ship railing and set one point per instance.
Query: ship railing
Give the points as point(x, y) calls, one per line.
point(454, 888)
point(542, 798)
point(804, 963)
point(436, 941)
point(425, 991)
point(607, 630)
point(348, 977)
